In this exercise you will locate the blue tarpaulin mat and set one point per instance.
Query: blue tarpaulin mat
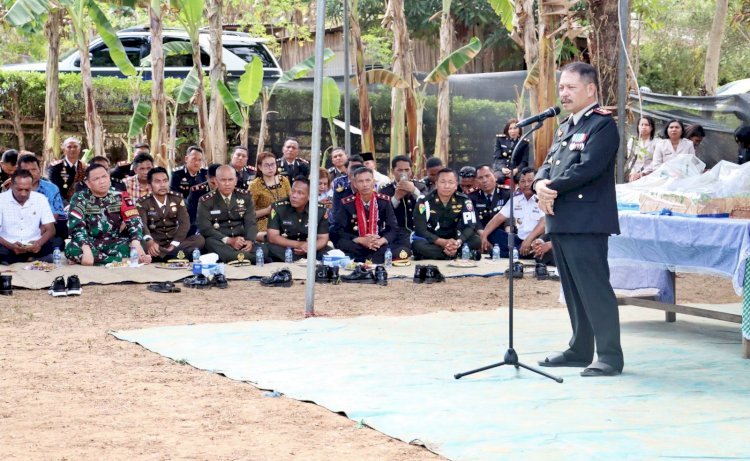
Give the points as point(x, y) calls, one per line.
point(683, 394)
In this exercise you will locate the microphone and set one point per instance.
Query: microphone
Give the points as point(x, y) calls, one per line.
point(551, 112)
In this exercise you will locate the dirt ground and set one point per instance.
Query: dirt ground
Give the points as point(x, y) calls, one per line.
point(69, 390)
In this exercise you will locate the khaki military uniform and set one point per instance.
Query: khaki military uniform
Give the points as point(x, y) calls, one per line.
point(168, 225)
point(292, 225)
point(218, 219)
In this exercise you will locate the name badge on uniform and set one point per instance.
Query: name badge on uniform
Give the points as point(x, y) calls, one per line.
point(215, 211)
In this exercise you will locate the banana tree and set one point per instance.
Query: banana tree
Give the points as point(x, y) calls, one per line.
point(190, 16)
point(298, 71)
point(442, 145)
point(447, 67)
point(79, 12)
point(217, 125)
point(159, 137)
point(239, 102)
point(330, 110)
point(365, 121)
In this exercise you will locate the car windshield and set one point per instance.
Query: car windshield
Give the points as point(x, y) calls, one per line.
point(247, 52)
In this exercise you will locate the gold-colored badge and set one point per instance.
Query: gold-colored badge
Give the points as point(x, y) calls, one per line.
point(240, 201)
point(403, 254)
point(180, 255)
point(240, 257)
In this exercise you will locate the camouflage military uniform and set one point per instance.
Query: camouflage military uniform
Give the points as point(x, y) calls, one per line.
point(292, 225)
point(217, 220)
point(106, 224)
point(433, 220)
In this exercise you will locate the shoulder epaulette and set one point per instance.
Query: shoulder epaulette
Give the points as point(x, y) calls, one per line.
point(196, 187)
point(382, 196)
point(123, 163)
point(208, 196)
point(348, 199)
point(303, 161)
point(145, 197)
point(56, 162)
point(462, 195)
point(523, 140)
point(179, 168)
point(283, 202)
point(500, 135)
point(601, 111)
point(250, 168)
point(237, 190)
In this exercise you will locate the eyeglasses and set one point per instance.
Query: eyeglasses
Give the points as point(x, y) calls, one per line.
point(268, 165)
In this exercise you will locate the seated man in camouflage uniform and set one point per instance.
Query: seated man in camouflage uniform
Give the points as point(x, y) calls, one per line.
point(444, 220)
point(366, 223)
point(226, 219)
point(103, 223)
point(287, 226)
point(166, 220)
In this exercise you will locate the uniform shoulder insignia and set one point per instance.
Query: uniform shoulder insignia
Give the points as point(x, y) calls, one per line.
point(382, 196)
point(500, 135)
point(461, 195)
point(208, 196)
point(281, 203)
point(241, 191)
point(348, 199)
point(56, 162)
point(123, 163)
point(197, 187)
point(303, 161)
point(601, 111)
point(179, 168)
point(174, 194)
point(250, 168)
point(523, 140)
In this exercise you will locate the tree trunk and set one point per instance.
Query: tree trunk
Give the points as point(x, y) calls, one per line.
point(263, 132)
point(713, 50)
point(93, 124)
point(51, 133)
point(546, 87)
point(200, 100)
point(159, 138)
point(365, 123)
point(16, 114)
point(402, 66)
point(442, 133)
point(603, 47)
point(217, 127)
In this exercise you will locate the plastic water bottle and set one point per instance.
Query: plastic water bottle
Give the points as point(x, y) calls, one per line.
point(259, 257)
point(515, 254)
point(57, 258)
point(388, 263)
point(496, 252)
point(465, 252)
point(133, 256)
point(288, 255)
point(196, 255)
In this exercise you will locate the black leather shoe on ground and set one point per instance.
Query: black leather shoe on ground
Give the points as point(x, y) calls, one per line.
point(220, 281)
point(432, 274)
point(6, 285)
point(199, 281)
point(73, 287)
point(419, 273)
point(540, 271)
point(359, 275)
point(381, 276)
point(58, 287)
point(333, 275)
point(322, 274)
point(517, 271)
point(280, 278)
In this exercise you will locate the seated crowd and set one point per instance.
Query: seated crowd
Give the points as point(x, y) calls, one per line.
point(233, 210)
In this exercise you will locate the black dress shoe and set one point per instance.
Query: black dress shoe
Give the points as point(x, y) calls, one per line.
point(419, 273)
point(6, 285)
point(517, 271)
point(333, 275)
point(220, 281)
point(432, 274)
point(381, 276)
point(198, 281)
point(321, 274)
point(73, 287)
point(280, 278)
point(359, 275)
point(540, 271)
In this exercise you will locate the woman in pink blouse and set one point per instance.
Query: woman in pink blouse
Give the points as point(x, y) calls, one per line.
point(673, 144)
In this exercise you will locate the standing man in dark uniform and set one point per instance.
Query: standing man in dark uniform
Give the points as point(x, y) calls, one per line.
point(245, 172)
point(502, 163)
point(404, 192)
point(290, 165)
point(68, 171)
point(190, 174)
point(576, 191)
point(489, 199)
point(366, 224)
point(166, 220)
point(444, 220)
point(433, 166)
point(287, 226)
point(226, 219)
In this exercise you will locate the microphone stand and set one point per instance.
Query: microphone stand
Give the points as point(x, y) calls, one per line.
point(511, 357)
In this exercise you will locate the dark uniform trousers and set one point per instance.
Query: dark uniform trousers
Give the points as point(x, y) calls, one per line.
point(580, 165)
point(227, 253)
point(187, 247)
point(426, 250)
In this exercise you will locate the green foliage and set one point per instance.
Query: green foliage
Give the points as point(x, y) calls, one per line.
point(454, 61)
point(378, 47)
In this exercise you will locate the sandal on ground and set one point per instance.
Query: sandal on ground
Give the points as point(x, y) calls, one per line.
point(164, 287)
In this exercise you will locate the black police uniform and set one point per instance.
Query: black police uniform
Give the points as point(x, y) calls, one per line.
point(191, 203)
point(453, 220)
point(404, 210)
point(341, 189)
point(581, 168)
point(182, 180)
point(488, 205)
point(245, 175)
point(334, 173)
point(121, 171)
point(292, 225)
point(66, 177)
point(217, 219)
point(346, 224)
point(503, 150)
point(298, 167)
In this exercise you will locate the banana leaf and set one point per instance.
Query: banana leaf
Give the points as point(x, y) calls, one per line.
point(171, 49)
point(386, 77)
point(454, 61)
point(25, 11)
point(504, 9)
point(251, 81)
point(302, 68)
point(139, 119)
point(331, 98)
point(233, 109)
point(109, 36)
point(188, 88)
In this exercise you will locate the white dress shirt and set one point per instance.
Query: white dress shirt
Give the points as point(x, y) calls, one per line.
point(21, 223)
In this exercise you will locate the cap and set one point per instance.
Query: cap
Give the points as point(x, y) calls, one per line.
point(467, 172)
point(367, 156)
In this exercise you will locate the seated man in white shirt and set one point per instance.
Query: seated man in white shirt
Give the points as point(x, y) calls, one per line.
point(528, 219)
point(27, 224)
